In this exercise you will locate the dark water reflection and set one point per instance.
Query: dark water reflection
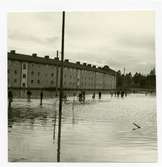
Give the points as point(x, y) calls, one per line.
point(92, 132)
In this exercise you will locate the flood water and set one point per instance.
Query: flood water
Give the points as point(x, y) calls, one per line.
point(97, 131)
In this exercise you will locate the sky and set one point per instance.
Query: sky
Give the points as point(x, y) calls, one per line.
point(119, 39)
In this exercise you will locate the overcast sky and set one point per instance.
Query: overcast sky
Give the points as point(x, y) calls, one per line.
point(117, 39)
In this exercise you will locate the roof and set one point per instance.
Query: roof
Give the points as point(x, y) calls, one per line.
point(48, 61)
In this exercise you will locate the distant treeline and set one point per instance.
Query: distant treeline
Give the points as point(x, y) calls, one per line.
point(137, 80)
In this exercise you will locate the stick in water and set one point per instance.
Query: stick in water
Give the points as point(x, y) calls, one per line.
point(137, 126)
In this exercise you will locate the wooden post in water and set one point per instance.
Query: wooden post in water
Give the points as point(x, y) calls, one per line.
point(61, 88)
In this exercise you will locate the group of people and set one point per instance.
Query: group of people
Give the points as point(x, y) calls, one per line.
point(28, 93)
point(119, 93)
point(81, 95)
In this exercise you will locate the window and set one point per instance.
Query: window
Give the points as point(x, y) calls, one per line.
point(8, 71)
point(38, 81)
point(15, 80)
point(51, 82)
point(31, 81)
point(38, 73)
point(32, 73)
point(15, 72)
point(24, 66)
point(23, 84)
point(24, 75)
point(52, 74)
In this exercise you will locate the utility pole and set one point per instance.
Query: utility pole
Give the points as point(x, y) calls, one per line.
point(124, 70)
point(61, 88)
point(57, 74)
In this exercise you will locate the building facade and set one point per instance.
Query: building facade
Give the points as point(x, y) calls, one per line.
point(37, 73)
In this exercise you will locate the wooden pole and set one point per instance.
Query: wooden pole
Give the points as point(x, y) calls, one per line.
point(61, 88)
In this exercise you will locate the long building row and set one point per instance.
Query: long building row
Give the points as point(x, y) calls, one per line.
point(33, 72)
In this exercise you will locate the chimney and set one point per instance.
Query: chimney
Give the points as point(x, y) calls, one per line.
point(78, 62)
point(56, 58)
point(89, 65)
point(66, 60)
point(84, 64)
point(13, 52)
point(94, 66)
point(34, 55)
point(46, 57)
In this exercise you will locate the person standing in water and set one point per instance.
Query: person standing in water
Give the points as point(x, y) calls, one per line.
point(29, 95)
point(99, 95)
point(93, 96)
point(10, 98)
point(41, 97)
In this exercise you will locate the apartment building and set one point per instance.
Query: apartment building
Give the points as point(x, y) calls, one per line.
point(43, 73)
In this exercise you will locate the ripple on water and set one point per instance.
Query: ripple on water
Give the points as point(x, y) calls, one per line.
point(96, 131)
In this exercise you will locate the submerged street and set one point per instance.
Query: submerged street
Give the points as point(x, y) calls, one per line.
point(97, 131)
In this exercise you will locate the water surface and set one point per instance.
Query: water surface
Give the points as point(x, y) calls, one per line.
point(97, 131)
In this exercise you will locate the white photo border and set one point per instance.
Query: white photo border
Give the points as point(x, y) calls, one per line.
point(73, 5)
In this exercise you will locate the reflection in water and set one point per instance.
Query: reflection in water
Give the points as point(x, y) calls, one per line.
point(97, 131)
point(55, 120)
point(54, 125)
point(73, 113)
point(10, 119)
